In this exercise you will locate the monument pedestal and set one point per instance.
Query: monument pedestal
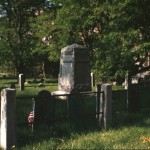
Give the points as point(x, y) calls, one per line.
point(61, 93)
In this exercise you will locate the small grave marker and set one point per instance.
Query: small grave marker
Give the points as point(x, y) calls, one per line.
point(44, 107)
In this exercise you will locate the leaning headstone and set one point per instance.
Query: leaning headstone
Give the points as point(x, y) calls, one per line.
point(44, 107)
point(8, 118)
point(74, 69)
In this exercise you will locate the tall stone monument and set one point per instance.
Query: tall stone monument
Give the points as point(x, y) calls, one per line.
point(74, 69)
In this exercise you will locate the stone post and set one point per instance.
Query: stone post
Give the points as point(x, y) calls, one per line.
point(107, 110)
point(21, 82)
point(98, 90)
point(8, 119)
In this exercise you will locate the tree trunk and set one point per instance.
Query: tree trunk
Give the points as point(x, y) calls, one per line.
point(43, 69)
point(20, 69)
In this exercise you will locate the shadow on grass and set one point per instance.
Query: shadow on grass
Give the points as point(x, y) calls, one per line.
point(124, 119)
point(64, 129)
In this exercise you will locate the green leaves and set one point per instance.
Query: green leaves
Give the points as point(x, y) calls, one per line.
point(117, 32)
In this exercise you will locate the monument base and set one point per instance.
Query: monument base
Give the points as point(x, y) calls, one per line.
point(60, 94)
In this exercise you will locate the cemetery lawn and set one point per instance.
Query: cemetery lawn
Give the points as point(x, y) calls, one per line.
point(128, 131)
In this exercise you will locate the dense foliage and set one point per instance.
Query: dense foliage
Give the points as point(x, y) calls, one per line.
point(117, 33)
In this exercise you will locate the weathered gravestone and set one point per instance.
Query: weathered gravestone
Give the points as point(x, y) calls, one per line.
point(43, 107)
point(74, 69)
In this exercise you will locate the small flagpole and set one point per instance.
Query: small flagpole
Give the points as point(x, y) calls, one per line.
point(33, 107)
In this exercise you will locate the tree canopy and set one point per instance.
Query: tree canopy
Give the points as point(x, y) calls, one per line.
point(117, 33)
point(125, 39)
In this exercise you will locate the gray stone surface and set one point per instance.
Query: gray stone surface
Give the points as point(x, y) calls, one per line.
point(60, 94)
point(8, 118)
point(107, 109)
point(74, 69)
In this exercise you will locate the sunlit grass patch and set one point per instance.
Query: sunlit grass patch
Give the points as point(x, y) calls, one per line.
point(124, 138)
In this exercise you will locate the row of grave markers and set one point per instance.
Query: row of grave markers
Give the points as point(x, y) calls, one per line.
point(8, 113)
point(21, 81)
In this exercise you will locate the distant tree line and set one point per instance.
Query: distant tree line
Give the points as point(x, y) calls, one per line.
point(117, 32)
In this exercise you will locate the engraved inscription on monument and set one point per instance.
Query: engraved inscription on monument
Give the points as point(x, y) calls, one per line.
point(74, 69)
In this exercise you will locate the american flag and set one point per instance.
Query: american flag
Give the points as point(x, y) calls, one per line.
point(31, 117)
point(31, 114)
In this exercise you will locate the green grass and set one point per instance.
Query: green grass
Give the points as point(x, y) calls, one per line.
point(32, 88)
point(126, 131)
